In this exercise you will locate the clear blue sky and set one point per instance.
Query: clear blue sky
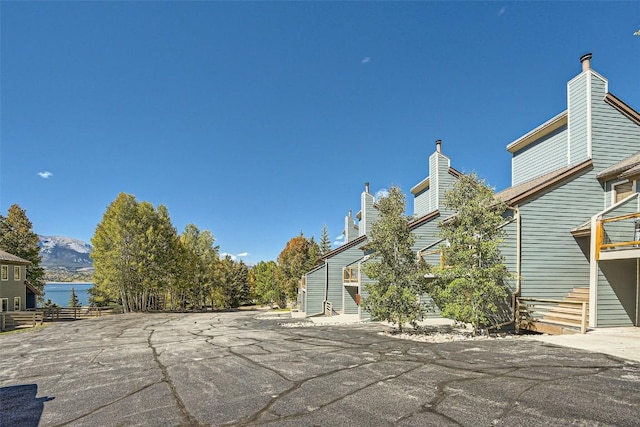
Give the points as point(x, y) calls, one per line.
point(258, 120)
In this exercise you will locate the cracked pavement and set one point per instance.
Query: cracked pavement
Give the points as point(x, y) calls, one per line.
point(245, 368)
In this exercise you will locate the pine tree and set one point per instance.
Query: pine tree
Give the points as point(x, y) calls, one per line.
point(325, 241)
point(398, 275)
point(73, 299)
point(17, 238)
point(471, 289)
point(234, 291)
point(266, 288)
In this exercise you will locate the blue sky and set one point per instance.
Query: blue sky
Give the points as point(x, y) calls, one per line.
point(258, 120)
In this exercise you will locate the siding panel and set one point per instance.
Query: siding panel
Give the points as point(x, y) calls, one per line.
point(578, 113)
point(421, 203)
point(315, 292)
point(538, 158)
point(552, 260)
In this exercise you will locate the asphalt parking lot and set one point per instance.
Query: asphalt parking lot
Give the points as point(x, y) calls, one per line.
point(248, 368)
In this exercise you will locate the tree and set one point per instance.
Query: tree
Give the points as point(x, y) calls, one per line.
point(200, 265)
point(135, 251)
point(234, 289)
point(471, 288)
point(299, 256)
point(398, 275)
point(325, 241)
point(17, 238)
point(73, 299)
point(267, 290)
point(49, 304)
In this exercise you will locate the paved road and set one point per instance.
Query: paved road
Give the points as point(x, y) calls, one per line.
point(236, 369)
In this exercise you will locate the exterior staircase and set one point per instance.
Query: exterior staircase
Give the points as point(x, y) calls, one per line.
point(567, 316)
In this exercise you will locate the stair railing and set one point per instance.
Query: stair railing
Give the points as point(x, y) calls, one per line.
point(572, 313)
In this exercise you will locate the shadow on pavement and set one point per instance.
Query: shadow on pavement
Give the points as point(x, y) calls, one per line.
point(20, 406)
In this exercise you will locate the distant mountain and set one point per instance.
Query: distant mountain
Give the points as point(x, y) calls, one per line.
point(60, 252)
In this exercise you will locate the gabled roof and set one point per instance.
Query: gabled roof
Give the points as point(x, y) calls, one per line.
point(518, 193)
point(621, 106)
point(622, 167)
point(7, 257)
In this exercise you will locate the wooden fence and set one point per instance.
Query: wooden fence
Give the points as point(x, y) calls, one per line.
point(14, 319)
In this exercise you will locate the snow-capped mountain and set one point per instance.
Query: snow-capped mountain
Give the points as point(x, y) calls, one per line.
point(64, 252)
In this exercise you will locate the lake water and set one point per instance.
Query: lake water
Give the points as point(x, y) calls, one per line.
point(61, 292)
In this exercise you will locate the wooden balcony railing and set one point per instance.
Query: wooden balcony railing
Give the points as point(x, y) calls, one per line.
point(618, 232)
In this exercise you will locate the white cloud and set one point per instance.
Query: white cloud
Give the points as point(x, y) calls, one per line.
point(340, 237)
point(45, 174)
point(365, 60)
point(338, 243)
point(383, 192)
point(235, 257)
point(502, 11)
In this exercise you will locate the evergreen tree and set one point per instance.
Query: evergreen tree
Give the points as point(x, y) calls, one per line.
point(241, 292)
point(234, 280)
point(17, 238)
point(266, 287)
point(325, 241)
point(398, 275)
point(472, 288)
point(73, 299)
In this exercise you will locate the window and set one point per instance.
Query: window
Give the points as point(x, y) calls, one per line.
point(621, 190)
point(5, 272)
point(16, 272)
point(4, 304)
point(16, 303)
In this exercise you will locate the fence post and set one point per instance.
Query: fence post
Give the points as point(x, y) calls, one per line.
point(583, 325)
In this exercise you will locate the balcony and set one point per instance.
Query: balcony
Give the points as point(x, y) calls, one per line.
point(618, 237)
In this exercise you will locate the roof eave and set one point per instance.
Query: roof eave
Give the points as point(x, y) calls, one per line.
point(550, 183)
point(621, 106)
point(544, 129)
point(421, 186)
point(344, 247)
point(424, 219)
